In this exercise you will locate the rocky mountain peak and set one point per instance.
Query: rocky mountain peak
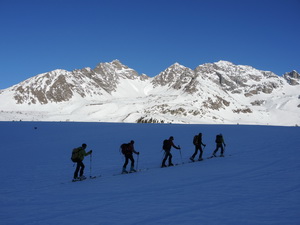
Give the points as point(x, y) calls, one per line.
point(293, 77)
point(61, 85)
point(239, 79)
point(173, 76)
point(223, 63)
point(115, 70)
point(176, 66)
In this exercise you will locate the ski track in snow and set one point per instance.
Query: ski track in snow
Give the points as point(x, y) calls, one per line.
point(258, 184)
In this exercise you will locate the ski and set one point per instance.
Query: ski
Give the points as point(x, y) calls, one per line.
point(94, 177)
point(198, 160)
point(217, 156)
point(176, 164)
point(76, 180)
point(86, 178)
point(124, 173)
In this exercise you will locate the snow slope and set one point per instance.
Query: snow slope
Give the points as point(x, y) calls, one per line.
point(258, 184)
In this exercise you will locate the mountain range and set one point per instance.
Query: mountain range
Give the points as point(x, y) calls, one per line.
point(214, 93)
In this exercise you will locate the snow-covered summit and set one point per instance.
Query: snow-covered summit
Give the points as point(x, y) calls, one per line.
point(173, 76)
point(220, 92)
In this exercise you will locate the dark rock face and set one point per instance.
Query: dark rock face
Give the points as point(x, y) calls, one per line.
point(293, 78)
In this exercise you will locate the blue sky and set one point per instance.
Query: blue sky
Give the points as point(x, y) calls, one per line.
point(38, 36)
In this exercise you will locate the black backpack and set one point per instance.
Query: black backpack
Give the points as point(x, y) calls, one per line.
point(196, 140)
point(219, 139)
point(124, 148)
point(166, 144)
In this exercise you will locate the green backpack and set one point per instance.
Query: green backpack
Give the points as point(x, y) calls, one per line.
point(75, 154)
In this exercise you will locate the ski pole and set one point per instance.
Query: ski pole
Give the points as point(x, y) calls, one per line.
point(91, 164)
point(137, 162)
point(163, 156)
point(180, 154)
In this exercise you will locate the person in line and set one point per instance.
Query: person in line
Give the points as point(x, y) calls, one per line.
point(220, 144)
point(167, 145)
point(77, 157)
point(128, 150)
point(197, 141)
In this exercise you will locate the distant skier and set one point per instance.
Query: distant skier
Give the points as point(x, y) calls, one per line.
point(220, 142)
point(128, 150)
point(167, 145)
point(78, 155)
point(197, 141)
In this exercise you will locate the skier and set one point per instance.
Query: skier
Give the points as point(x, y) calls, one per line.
point(197, 141)
point(220, 142)
point(128, 150)
point(167, 145)
point(80, 154)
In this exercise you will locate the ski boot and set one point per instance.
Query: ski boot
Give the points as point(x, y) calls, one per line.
point(82, 177)
point(192, 159)
point(75, 179)
point(132, 170)
point(124, 171)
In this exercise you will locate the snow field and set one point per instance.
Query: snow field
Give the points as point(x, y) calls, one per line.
point(258, 184)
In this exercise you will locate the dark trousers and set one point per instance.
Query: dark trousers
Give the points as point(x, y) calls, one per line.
point(198, 147)
point(219, 146)
point(167, 155)
point(127, 158)
point(80, 166)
